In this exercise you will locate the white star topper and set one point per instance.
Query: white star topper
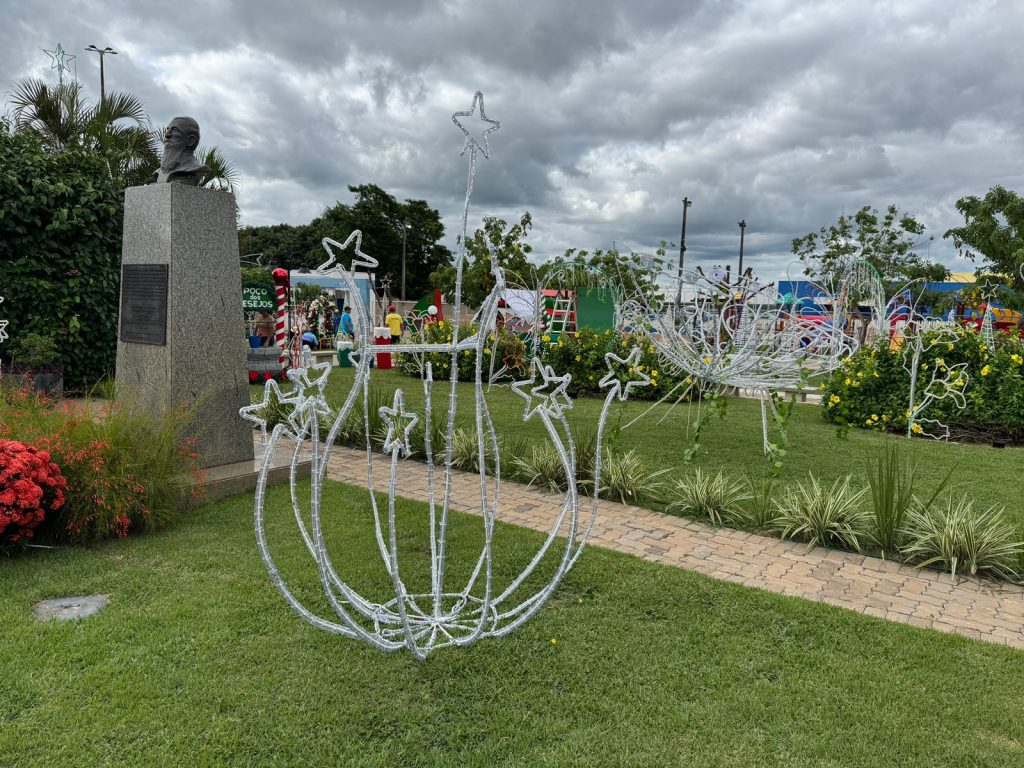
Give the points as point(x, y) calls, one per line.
point(471, 143)
point(360, 259)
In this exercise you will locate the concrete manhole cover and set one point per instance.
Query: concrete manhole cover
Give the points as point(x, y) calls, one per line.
point(69, 608)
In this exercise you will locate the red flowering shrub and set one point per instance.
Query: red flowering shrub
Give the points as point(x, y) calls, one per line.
point(31, 487)
point(125, 473)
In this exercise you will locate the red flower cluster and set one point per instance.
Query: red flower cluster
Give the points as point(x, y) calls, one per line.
point(30, 487)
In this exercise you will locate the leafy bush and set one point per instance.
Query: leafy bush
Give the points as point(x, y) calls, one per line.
point(31, 488)
point(125, 473)
point(60, 251)
point(717, 498)
point(582, 354)
point(32, 351)
point(541, 465)
point(508, 349)
point(819, 515)
point(872, 388)
point(957, 537)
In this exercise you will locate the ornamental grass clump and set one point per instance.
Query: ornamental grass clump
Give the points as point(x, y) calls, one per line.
point(627, 478)
point(31, 489)
point(716, 498)
point(959, 538)
point(828, 516)
point(892, 480)
point(540, 465)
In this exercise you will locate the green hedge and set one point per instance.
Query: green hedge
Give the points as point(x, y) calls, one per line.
point(871, 390)
point(60, 252)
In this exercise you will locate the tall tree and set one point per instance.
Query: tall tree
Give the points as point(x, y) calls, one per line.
point(993, 231)
point(383, 219)
point(495, 244)
point(886, 241)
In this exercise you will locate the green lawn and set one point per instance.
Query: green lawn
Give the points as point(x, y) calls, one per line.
point(198, 661)
point(733, 444)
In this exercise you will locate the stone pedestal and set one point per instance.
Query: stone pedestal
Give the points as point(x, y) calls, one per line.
point(191, 233)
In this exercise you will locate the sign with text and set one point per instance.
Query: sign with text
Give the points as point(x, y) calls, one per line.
point(144, 304)
point(257, 297)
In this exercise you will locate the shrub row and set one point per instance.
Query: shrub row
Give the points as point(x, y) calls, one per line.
point(581, 354)
point(947, 532)
point(871, 390)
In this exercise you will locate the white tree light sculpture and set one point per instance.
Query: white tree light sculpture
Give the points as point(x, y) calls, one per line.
point(449, 614)
point(940, 383)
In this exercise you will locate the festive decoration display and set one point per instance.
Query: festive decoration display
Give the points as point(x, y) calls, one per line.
point(448, 613)
point(941, 382)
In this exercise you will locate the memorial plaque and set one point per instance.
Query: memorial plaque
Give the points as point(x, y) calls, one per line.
point(144, 304)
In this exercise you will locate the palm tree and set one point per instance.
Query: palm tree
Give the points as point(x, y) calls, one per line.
point(117, 127)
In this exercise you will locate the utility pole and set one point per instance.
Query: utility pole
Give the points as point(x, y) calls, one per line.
point(743, 228)
point(405, 236)
point(682, 257)
point(102, 53)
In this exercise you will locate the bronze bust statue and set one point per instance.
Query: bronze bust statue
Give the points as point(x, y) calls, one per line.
point(179, 164)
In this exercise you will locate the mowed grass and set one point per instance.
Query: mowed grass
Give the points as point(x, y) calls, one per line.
point(198, 661)
point(732, 444)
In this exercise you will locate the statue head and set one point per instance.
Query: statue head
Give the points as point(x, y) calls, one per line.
point(181, 135)
point(179, 164)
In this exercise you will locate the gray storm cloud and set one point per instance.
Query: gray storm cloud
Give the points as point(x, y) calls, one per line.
point(783, 113)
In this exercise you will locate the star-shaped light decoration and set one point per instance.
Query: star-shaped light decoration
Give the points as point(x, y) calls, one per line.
point(3, 326)
point(360, 259)
point(471, 143)
point(551, 397)
point(613, 379)
point(400, 423)
point(307, 403)
point(59, 58)
point(257, 412)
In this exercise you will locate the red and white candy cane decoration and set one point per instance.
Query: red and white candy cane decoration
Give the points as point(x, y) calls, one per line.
point(280, 276)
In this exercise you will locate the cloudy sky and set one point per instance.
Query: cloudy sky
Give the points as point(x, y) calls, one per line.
point(782, 113)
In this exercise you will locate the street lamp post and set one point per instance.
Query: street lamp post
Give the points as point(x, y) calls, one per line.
point(743, 228)
point(102, 53)
point(682, 256)
point(405, 236)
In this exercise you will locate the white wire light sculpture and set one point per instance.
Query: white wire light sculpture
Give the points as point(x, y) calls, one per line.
point(734, 334)
point(3, 334)
point(449, 614)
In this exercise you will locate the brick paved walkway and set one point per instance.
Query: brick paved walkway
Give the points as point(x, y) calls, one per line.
point(865, 584)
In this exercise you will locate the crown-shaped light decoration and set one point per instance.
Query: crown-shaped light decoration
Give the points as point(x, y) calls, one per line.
point(450, 612)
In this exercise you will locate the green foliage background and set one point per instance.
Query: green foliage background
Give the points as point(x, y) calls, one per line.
point(60, 250)
point(872, 388)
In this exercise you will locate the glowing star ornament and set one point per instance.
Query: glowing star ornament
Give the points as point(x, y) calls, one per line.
point(400, 423)
point(360, 259)
point(493, 125)
point(621, 387)
point(548, 397)
point(257, 413)
point(60, 60)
